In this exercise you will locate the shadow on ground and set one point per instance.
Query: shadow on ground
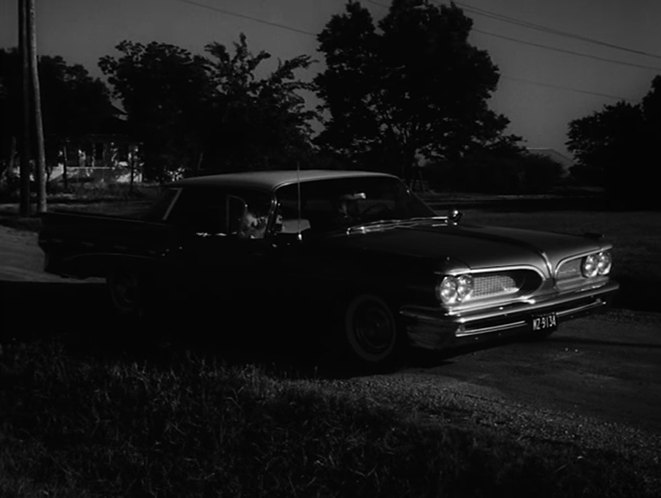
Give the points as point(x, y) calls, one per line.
point(638, 294)
point(79, 315)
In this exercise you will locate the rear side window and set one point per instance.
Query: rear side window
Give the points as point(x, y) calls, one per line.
point(200, 210)
point(214, 211)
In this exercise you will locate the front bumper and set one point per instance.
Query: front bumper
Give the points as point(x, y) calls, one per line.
point(434, 328)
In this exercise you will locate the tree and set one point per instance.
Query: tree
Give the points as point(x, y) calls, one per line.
point(651, 108)
point(10, 107)
point(211, 113)
point(412, 87)
point(73, 102)
point(617, 148)
point(504, 167)
point(164, 90)
point(256, 123)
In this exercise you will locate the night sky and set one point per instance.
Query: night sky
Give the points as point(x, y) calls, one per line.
point(559, 59)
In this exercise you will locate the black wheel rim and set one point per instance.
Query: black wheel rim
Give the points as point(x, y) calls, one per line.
point(373, 328)
point(125, 291)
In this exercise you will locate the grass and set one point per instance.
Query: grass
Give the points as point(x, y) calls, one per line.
point(88, 197)
point(78, 426)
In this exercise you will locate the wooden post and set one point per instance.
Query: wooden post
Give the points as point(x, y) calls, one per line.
point(24, 205)
point(65, 158)
point(35, 97)
point(132, 154)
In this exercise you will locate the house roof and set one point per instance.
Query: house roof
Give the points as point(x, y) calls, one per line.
point(271, 180)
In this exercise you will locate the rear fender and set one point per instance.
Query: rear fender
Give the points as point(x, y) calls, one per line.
point(100, 265)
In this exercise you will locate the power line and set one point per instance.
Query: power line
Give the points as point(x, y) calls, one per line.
point(378, 3)
point(559, 87)
point(551, 30)
point(530, 82)
point(250, 18)
point(549, 47)
point(571, 52)
point(549, 85)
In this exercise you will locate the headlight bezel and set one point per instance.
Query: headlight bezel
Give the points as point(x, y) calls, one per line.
point(453, 290)
point(604, 262)
point(598, 264)
point(589, 266)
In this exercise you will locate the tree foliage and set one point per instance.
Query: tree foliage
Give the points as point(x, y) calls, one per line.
point(617, 148)
point(651, 108)
point(209, 113)
point(502, 168)
point(258, 123)
point(73, 102)
point(163, 89)
point(411, 85)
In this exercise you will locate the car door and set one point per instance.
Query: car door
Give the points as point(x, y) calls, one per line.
point(223, 252)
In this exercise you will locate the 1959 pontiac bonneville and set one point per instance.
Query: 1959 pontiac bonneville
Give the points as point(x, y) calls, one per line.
point(355, 247)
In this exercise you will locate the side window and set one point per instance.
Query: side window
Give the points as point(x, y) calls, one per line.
point(242, 213)
point(201, 210)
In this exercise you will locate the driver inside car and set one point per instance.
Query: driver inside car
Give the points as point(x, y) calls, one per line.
point(348, 205)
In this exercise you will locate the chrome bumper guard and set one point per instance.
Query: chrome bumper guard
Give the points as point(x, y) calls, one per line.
point(433, 328)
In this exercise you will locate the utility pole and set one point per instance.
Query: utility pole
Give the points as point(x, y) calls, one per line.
point(40, 170)
point(32, 119)
point(24, 205)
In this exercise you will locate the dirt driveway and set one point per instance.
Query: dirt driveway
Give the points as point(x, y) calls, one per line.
point(596, 382)
point(21, 260)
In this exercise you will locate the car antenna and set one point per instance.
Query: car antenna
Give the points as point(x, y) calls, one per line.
point(298, 199)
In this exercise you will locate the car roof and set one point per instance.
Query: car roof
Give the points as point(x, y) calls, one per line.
point(271, 180)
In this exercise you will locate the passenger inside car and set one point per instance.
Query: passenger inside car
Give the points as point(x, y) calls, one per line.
point(253, 226)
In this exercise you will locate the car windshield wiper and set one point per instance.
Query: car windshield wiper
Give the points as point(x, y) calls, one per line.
point(391, 223)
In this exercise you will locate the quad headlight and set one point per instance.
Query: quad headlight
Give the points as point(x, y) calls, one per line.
point(597, 264)
point(455, 289)
point(604, 263)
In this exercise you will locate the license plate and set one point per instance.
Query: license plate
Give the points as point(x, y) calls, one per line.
point(548, 321)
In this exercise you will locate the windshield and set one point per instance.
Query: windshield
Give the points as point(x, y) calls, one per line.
point(342, 203)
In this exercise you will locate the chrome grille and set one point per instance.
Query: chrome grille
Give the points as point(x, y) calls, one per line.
point(494, 285)
point(570, 269)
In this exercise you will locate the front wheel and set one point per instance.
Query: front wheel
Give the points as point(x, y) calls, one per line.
point(370, 331)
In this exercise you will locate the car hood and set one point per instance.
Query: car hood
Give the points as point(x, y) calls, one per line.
point(472, 246)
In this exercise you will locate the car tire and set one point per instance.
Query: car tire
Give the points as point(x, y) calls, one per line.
point(371, 332)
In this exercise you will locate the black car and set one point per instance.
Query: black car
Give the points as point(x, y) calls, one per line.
point(358, 247)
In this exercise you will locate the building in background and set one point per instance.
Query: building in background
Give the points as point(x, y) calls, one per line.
point(106, 155)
